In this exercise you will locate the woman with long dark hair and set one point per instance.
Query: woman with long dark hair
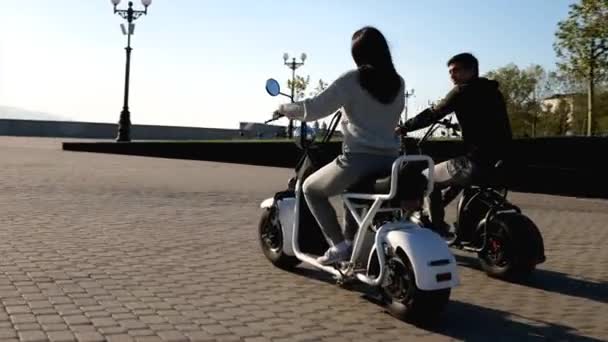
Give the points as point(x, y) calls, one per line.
point(372, 99)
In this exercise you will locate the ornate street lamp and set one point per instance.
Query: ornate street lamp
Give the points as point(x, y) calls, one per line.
point(130, 15)
point(293, 65)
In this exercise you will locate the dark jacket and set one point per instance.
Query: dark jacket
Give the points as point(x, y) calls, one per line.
point(481, 112)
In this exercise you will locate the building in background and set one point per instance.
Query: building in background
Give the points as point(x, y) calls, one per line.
point(561, 104)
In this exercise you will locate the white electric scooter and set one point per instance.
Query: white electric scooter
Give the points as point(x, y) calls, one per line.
point(412, 266)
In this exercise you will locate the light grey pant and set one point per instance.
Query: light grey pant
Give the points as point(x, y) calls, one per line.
point(332, 180)
point(453, 175)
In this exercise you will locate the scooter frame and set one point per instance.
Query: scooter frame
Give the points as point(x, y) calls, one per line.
point(347, 269)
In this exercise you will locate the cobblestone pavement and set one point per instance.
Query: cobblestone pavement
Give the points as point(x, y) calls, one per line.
point(101, 247)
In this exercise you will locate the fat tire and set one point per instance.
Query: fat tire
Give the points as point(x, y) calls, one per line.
point(278, 258)
point(521, 235)
point(421, 307)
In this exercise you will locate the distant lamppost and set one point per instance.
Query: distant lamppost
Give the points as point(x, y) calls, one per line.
point(408, 94)
point(293, 65)
point(130, 15)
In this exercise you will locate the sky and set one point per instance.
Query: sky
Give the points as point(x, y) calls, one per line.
point(204, 63)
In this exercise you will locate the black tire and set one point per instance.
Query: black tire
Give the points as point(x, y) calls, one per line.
point(271, 241)
point(404, 299)
point(514, 248)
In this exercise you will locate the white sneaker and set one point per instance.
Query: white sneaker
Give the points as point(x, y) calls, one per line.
point(335, 254)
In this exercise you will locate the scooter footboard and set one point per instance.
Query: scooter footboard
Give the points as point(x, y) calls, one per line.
point(433, 263)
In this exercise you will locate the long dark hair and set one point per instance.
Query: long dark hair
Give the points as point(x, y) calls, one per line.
point(377, 73)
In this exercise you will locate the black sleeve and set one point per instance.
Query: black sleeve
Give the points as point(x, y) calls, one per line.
point(430, 115)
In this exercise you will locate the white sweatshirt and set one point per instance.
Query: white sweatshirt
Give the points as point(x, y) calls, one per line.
point(367, 124)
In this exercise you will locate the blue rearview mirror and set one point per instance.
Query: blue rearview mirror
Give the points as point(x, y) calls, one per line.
point(272, 87)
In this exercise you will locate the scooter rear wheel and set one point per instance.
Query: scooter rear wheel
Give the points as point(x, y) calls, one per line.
point(404, 299)
point(270, 237)
point(509, 255)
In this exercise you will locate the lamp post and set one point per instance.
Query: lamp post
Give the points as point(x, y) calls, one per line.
point(408, 94)
point(130, 15)
point(293, 65)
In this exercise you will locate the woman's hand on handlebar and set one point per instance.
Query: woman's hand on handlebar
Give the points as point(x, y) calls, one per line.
point(277, 115)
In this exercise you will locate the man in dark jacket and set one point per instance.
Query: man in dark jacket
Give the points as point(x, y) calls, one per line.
point(486, 131)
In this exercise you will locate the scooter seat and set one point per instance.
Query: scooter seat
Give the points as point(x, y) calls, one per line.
point(411, 184)
point(372, 185)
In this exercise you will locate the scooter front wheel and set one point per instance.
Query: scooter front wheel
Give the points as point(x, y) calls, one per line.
point(270, 236)
point(404, 299)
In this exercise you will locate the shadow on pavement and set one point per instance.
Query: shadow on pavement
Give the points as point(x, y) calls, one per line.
point(472, 322)
point(556, 282)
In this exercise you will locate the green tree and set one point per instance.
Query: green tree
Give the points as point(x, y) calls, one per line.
point(319, 88)
point(523, 90)
point(301, 84)
point(582, 46)
point(601, 107)
point(298, 86)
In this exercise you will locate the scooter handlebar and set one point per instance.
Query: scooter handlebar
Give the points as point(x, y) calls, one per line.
point(275, 116)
